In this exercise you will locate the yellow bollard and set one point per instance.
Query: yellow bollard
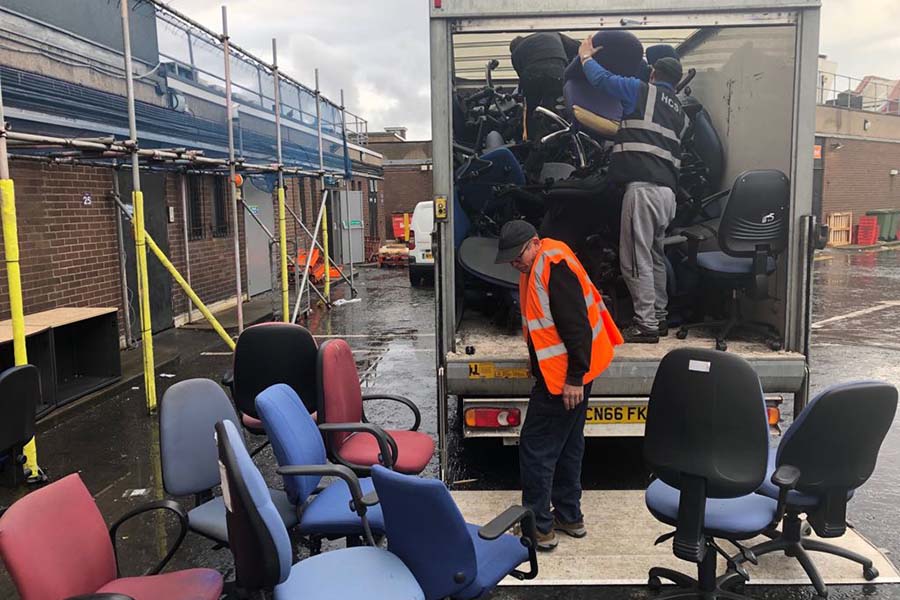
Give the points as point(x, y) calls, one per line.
point(282, 242)
point(140, 241)
point(16, 306)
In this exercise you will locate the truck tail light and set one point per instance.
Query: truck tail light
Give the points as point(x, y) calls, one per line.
point(412, 240)
point(437, 3)
point(774, 414)
point(493, 418)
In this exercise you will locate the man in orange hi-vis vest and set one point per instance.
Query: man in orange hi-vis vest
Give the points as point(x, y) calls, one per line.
point(570, 337)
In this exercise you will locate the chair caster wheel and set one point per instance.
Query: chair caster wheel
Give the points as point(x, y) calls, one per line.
point(654, 583)
point(870, 573)
point(776, 346)
point(682, 334)
point(806, 529)
point(721, 345)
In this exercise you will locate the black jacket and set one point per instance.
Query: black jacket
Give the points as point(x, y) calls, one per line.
point(570, 316)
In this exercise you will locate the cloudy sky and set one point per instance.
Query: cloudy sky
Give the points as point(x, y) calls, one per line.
point(378, 50)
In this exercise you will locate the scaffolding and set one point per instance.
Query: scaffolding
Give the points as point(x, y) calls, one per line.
point(115, 153)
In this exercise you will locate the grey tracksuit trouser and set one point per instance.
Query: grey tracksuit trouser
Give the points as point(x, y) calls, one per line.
point(647, 210)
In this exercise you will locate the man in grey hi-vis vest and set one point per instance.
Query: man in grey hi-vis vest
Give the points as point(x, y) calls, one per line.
point(646, 158)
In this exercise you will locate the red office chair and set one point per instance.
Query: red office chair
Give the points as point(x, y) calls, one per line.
point(55, 545)
point(341, 401)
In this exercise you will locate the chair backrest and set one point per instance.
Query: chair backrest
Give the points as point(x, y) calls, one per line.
point(835, 443)
point(294, 436)
point(272, 353)
point(756, 215)
point(256, 534)
point(20, 393)
point(340, 397)
point(706, 418)
point(188, 415)
point(426, 531)
point(55, 544)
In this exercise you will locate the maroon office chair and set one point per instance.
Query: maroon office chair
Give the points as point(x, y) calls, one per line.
point(55, 546)
point(341, 401)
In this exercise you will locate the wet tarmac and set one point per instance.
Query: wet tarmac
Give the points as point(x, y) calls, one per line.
point(113, 444)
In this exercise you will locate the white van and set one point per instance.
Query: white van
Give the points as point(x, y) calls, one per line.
point(421, 260)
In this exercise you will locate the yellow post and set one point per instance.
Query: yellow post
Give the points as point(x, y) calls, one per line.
point(325, 252)
point(405, 227)
point(140, 241)
point(16, 307)
point(282, 242)
point(190, 292)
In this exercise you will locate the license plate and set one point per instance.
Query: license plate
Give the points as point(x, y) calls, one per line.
point(608, 414)
point(427, 255)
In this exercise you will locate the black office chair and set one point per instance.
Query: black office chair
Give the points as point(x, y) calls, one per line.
point(706, 440)
point(833, 446)
point(20, 393)
point(752, 232)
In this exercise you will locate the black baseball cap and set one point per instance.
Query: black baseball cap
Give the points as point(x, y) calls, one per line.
point(670, 68)
point(513, 237)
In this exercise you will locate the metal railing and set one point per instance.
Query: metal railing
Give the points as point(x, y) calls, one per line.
point(869, 94)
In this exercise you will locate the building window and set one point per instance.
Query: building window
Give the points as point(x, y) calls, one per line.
point(195, 207)
point(373, 208)
point(220, 203)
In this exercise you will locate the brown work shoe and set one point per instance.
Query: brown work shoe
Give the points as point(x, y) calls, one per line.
point(576, 530)
point(547, 541)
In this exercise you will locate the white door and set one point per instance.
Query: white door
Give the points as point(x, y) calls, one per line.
point(259, 267)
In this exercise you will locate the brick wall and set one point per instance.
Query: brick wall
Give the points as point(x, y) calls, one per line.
point(404, 187)
point(68, 251)
point(857, 176)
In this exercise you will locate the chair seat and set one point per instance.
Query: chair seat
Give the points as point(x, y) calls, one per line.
point(495, 559)
point(191, 584)
point(329, 511)
point(414, 450)
point(731, 518)
point(719, 262)
point(350, 573)
point(208, 519)
point(794, 498)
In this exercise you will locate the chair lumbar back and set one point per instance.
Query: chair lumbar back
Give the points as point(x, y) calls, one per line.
point(188, 415)
point(834, 443)
point(256, 534)
point(426, 531)
point(756, 215)
point(340, 397)
point(294, 436)
point(272, 353)
point(20, 393)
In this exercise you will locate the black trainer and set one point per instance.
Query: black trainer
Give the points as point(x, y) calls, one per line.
point(635, 334)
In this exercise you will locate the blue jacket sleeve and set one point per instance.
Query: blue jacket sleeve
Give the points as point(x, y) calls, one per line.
point(625, 89)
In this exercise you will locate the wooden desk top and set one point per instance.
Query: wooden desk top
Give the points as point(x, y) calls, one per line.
point(56, 317)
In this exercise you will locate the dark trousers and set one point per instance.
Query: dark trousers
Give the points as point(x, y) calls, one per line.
point(551, 447)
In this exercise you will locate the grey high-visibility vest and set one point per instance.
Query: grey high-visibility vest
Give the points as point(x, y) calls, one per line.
point(648, 145)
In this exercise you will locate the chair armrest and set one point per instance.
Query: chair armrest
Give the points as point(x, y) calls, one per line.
point(101, 596)
point(228, 381)
point(506, 521)
point(387, 447)
point(786, 478)
point(357, 503)
point(406, 401)
point(169, 505)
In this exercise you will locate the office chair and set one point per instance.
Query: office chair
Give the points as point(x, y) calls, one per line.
point(20, 393)
point(752, 232)
point(833, 445)
point(55, 544)
point(706, 441)
point(449, 557)
point(262, 549)
point(188, 415)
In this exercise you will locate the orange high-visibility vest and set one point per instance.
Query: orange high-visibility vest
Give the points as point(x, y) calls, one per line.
point(538, 325)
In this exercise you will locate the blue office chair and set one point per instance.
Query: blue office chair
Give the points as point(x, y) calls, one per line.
point(300, 452)
point(752, 232)
point(188, 415)
point(449, 557)
point(706, 441)
point(262, 548)
point(833, 446)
